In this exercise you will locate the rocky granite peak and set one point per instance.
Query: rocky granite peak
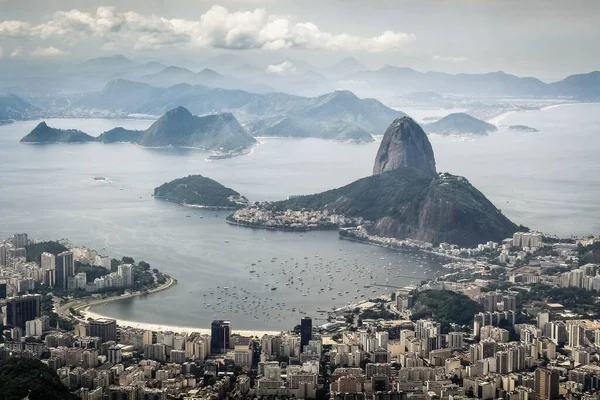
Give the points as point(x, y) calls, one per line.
point(404, 144)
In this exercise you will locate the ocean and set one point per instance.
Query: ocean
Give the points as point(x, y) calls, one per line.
point(547, 180)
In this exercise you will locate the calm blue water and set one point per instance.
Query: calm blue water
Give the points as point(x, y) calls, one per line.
point(547, 180)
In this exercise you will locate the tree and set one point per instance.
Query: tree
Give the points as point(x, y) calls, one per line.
point(29, 378)
point(144, 266)
point(128, 260)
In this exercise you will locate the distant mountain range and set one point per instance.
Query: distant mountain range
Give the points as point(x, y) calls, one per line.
point(500, 84)
point(12, 107)
point(459, 123)
point(339, 115)
point(177, 128)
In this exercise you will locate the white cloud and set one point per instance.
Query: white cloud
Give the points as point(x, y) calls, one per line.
point(450, 59)
point(14, 28)
point(284, 68)
point(18, 52)
point(216, 28)
point(47, 52)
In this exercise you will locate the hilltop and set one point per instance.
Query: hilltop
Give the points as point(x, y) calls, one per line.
point(42, 133)
point(200, 191)
point(459, 123)
point(408, 199)
point(339, 115)
point(177, 128)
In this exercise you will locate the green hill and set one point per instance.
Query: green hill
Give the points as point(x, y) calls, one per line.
point(22, 378)
point(459, 123)
point(408, 203)
point(197, 190)
point(45, 134)
point(445, 307)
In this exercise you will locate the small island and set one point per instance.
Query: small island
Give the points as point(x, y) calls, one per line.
point(200, 192)
point(459, 124)
point(522, 128)
point(220, 133)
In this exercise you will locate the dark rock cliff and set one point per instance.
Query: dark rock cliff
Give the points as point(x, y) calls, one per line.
point(404, 144)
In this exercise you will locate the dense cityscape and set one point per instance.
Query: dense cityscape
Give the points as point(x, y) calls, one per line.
point(512, 320)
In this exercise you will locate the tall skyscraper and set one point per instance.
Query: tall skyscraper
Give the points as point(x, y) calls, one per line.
point(16, 311)
point(305, 332)
point(220, 336)
point(105, 329)
point(3, 249)
point(546, 384)
point(48, 261)
point(126, 273)
point(65, 267)
point(20, 240)
point(3, 290)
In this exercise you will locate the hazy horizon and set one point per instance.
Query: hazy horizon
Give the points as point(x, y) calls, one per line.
point(545, 39)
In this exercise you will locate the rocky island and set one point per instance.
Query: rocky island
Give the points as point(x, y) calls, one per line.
point(405, 198)
point(42, 133)
point(458, 124)
point(522, 128)
point(202, 192)
point(176, 128)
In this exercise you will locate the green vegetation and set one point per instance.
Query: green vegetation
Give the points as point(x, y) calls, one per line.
point(22, 378)
point(199, 191)
point(34, 251)
point(45, 134)
point(590, 253)
point(572, 298)
point(92, 271)
point(407, 202)
point(445, 307)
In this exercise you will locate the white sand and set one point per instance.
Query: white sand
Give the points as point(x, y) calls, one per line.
point(171, 328)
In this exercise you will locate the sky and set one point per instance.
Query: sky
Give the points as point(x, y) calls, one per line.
point(549, 39)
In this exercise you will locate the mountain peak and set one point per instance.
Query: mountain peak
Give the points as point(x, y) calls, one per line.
point(179, 111)
point(404, 144)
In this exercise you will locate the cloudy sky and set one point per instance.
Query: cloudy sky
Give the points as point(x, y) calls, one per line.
point(544, 38)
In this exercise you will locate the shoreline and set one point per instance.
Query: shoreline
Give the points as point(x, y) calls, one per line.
point(408, 248)
point(85, 307)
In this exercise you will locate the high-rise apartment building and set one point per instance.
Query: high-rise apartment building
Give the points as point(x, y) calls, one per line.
point(220, 336)
point(20, 240)
point(105, 329)
point(3, 257)
point(305, 332)
point(16, 311)
point(126, 273)
point(546, 384)
point(65, 267)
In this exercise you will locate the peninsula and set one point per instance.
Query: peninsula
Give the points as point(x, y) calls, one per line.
point(176, 128)
point(405, 198)
point(200, 191)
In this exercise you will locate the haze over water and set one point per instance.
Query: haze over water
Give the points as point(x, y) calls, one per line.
point(548, 181)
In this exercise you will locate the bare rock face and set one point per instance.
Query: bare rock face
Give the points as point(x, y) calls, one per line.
point(404, 144)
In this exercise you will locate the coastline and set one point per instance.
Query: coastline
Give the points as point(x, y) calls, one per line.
point(418, 249)
point(85, 306)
